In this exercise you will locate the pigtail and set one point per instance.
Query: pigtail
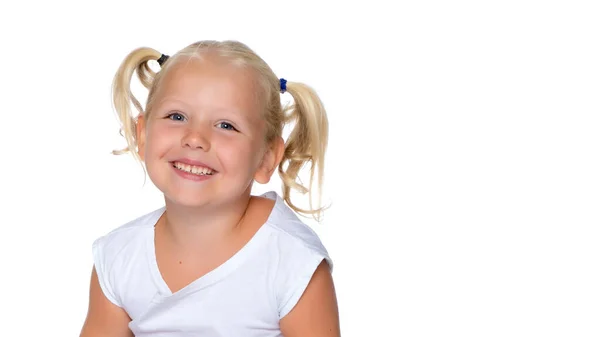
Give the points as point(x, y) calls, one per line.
point(307, 143)
point(123, 99)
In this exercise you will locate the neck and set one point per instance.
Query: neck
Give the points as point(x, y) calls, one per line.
point(203, 227)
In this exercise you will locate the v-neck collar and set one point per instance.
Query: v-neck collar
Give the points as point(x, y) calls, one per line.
point(219, 272)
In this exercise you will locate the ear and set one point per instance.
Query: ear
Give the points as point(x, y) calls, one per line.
point(270, 161)
point(140, 135)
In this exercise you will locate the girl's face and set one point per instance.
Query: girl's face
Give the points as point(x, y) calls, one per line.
point(204, 140)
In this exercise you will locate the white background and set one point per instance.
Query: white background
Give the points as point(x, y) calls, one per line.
point(463, 167)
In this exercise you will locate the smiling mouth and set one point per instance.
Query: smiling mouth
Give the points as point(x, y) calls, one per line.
point(197, 170)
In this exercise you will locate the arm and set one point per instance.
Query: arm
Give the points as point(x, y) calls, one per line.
point(316, 313)
point(103, 317)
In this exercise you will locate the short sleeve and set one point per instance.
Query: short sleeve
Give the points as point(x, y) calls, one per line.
point(103, 270)
point(296, 268)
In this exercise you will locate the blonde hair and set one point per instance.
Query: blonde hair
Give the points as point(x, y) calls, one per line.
point(307, 142)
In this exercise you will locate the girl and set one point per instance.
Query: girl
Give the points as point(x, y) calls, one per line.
point(215, 260)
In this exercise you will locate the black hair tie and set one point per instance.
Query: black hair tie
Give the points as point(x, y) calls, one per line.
point(162, 59)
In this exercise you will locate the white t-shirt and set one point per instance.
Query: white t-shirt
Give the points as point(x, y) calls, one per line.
point(245, 296)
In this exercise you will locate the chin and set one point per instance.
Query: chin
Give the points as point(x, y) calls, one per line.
point(187, 199)
point(200, 197)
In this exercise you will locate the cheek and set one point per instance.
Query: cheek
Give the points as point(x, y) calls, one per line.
point(256, 153)
point(159, 139)
point(239, 152)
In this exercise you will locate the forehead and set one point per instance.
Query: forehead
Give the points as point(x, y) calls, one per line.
point(210, 84)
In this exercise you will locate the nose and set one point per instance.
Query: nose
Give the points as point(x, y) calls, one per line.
point(196, 139)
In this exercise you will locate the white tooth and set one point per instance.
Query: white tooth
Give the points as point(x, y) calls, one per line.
point(184, 167)
point(194, 169)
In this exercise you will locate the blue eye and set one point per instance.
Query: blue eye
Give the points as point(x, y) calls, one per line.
point(226, 126)
point(176, 116)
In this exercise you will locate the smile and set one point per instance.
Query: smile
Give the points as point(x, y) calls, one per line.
point(198, 170)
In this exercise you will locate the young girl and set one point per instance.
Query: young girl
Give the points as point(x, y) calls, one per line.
point(215, 260)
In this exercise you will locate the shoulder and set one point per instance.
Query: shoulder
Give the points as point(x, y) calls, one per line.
point(114, 251)
point(297, 251)
point(129, 231)
point(291, 233)
point(296, 240)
